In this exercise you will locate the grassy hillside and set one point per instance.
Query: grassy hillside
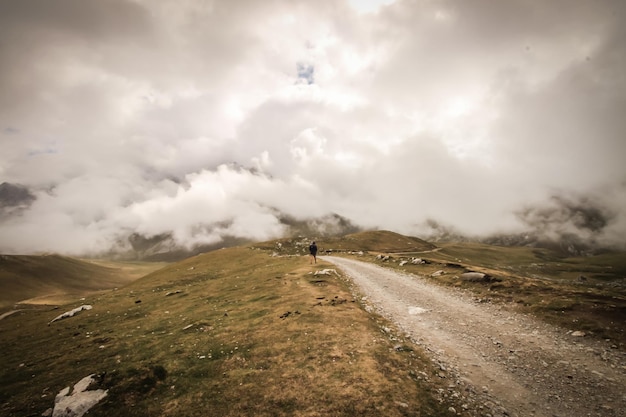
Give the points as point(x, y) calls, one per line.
point(587, 293)
point(57, 279)
point(372, 241)
point(234, 332)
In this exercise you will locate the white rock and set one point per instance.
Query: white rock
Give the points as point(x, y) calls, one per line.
point(79, 402)
point(72, 312)
point(578, 333)
point(325, 272)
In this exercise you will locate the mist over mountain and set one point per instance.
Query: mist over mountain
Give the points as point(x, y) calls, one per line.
point(568, 224)
point(194, 124)
point(165, 247)
point(14, 197)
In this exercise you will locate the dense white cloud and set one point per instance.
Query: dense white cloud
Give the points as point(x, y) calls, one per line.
point(205, 119)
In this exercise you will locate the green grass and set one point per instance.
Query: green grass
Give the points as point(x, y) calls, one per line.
point(222, 344)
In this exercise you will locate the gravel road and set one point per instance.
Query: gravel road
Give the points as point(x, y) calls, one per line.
point(499, 363)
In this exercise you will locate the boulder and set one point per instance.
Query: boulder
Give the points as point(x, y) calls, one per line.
point(79, 401)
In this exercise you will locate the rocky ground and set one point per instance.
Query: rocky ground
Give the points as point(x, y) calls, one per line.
point(498, 363)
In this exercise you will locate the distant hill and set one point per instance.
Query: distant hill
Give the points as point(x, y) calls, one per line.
point(370, 241)
point(379, 241)
point(54, 277)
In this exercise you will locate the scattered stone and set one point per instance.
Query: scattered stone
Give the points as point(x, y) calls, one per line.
point(326, 272)
point(173, 292)
point(474, 276)
point(452, 410)
point(437, 273)
point(71, 313)
point(578, 333)
point(47, 413)
point(417, 261)
point(137, 301)
point(404, 263)
point(189, 326)
point(80, 401)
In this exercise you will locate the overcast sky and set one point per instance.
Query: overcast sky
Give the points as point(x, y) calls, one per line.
point(208, 118)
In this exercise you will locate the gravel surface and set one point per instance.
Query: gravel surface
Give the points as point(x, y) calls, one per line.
point(499, 363)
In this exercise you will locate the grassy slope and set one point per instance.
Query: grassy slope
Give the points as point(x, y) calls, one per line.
point(241, 333)
point(537, 281)
point(378, 241)
point(54, 278)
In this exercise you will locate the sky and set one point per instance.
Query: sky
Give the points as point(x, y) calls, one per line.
point(205, 119)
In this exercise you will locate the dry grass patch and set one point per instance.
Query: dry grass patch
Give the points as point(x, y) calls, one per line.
point(232, 332)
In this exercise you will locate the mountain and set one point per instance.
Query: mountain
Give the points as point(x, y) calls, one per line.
point(562, 243)
point(14, 198)
point(12, 195)
point(165, 248)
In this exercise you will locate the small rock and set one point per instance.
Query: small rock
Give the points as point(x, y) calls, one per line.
point(325, 272)
point(578, 333)
point(474, 276)
point(452, 410)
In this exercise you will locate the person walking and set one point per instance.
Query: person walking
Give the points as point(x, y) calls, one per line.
point(313, 252)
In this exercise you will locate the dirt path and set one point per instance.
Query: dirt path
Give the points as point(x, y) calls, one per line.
point(500, 363)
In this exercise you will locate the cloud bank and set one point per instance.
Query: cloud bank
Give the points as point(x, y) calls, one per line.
point(212, 119)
